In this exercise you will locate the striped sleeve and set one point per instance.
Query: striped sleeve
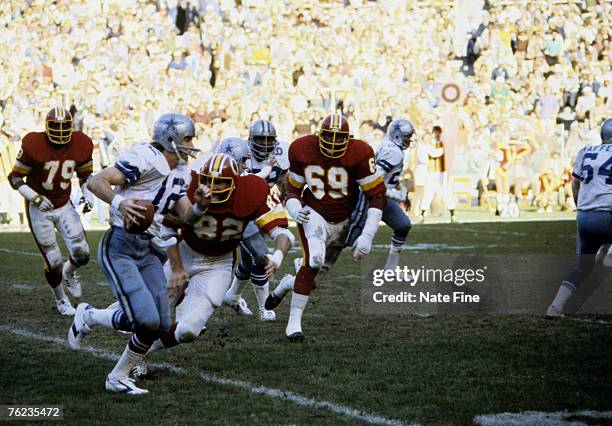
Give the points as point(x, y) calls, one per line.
point(23, 163)
point(132, 164)
point(271, 215)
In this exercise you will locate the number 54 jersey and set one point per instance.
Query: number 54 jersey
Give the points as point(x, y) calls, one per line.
point(330, 186)
point(219, 230)
point(593, 167)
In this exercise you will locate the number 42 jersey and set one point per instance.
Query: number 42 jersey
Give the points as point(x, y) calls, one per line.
point(331, 185)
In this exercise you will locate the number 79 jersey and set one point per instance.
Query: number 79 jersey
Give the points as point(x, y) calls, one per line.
point(220, 229)
point(593, 167)
point(49, 168)
point(331, 185)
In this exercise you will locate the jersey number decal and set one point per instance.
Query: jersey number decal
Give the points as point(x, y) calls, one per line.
point(605, 169)
point(66, 173)
point(207, 228)
point(336, 178)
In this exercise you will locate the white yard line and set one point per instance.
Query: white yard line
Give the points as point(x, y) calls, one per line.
point(25, 253)
point(244, 385)
point(592, 321)
point(533, 418)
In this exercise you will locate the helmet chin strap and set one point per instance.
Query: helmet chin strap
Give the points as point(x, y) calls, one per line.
point(178, 154)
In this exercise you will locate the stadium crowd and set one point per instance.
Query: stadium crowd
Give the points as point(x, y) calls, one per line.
point(518, 87)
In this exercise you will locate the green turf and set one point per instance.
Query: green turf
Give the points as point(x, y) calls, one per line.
point(438, 370)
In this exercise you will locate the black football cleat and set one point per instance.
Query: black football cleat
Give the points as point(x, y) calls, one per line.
point(272, 301)
point(296, 337)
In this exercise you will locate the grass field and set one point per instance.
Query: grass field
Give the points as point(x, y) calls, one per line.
point(354, 368)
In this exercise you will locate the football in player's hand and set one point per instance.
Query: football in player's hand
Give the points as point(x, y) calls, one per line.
point(143, 224)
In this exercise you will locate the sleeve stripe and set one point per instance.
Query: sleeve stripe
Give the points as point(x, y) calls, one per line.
point(366, 180)
point(385, 165)
point(576, 176)
point(22, 166)
point(86, 166)
point(132, 174)
point(20, 170)
point(278, 223)
point(295, 183)
point(371, 183)
point(296, 177)
point(265, 219)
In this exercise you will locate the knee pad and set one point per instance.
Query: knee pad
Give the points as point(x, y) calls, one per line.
point(305, 280)
point(316, 260)
point(185, 335)
point(80, 254)
point(54, 260)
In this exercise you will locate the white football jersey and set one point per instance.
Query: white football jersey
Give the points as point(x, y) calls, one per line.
point(390, 162)
point(593, 167)
point(145, 169)
point(281, 153)
point(173, 187)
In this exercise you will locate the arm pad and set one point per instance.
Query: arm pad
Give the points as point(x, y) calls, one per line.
point(372, 222)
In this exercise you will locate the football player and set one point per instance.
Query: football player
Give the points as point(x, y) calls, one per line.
point(207, 250)
point(325, 174)
point(268, 159)
point(132, 265)
point(592, 189)
point(47, 160)
point(390, 164)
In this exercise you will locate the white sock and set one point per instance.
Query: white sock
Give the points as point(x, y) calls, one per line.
point(261, 293)
point(58, 292)
point(565, 292)
point(157, 345)
point(393, 258)
point(103, 317)
point(68, 268)
point(298, 303)
point(280, 291)
point(235, 291)
point(128, 360)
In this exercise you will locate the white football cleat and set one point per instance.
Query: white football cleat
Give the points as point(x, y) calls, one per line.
point(65, 307)
point(79, 327)
point(73, 284)
point(123, 385)
point(554, 312)
point(265, 315)
point(277, 295)
point(140, 370)
point(114, 306)
point(240, 306)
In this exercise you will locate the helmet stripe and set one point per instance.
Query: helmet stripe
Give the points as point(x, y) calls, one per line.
point(216, 163)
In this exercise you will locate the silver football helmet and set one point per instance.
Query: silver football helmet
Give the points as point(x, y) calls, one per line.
point(401, 132)
point(606, 131)
point(236, 148)
point(170, 131)
point(262, 139)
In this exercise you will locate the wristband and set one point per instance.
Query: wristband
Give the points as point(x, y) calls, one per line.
point(117, 199)
point(197, 210)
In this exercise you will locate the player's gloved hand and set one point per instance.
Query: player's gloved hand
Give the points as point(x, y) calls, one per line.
point(267, 168)
point(397, 195)
point(362, 247)
point(202, 197)
point(176, 286)
point(42, 203)
point(167, 238)
point(299, 213)
point(274, 262)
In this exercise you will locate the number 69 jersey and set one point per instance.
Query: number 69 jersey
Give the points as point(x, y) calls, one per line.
point(593, 167)
point(331, 185)
point(219, 230)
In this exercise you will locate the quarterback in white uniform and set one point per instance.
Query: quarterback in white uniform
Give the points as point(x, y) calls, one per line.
point(131, 263)
point(592, 188)
point(267, 158)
